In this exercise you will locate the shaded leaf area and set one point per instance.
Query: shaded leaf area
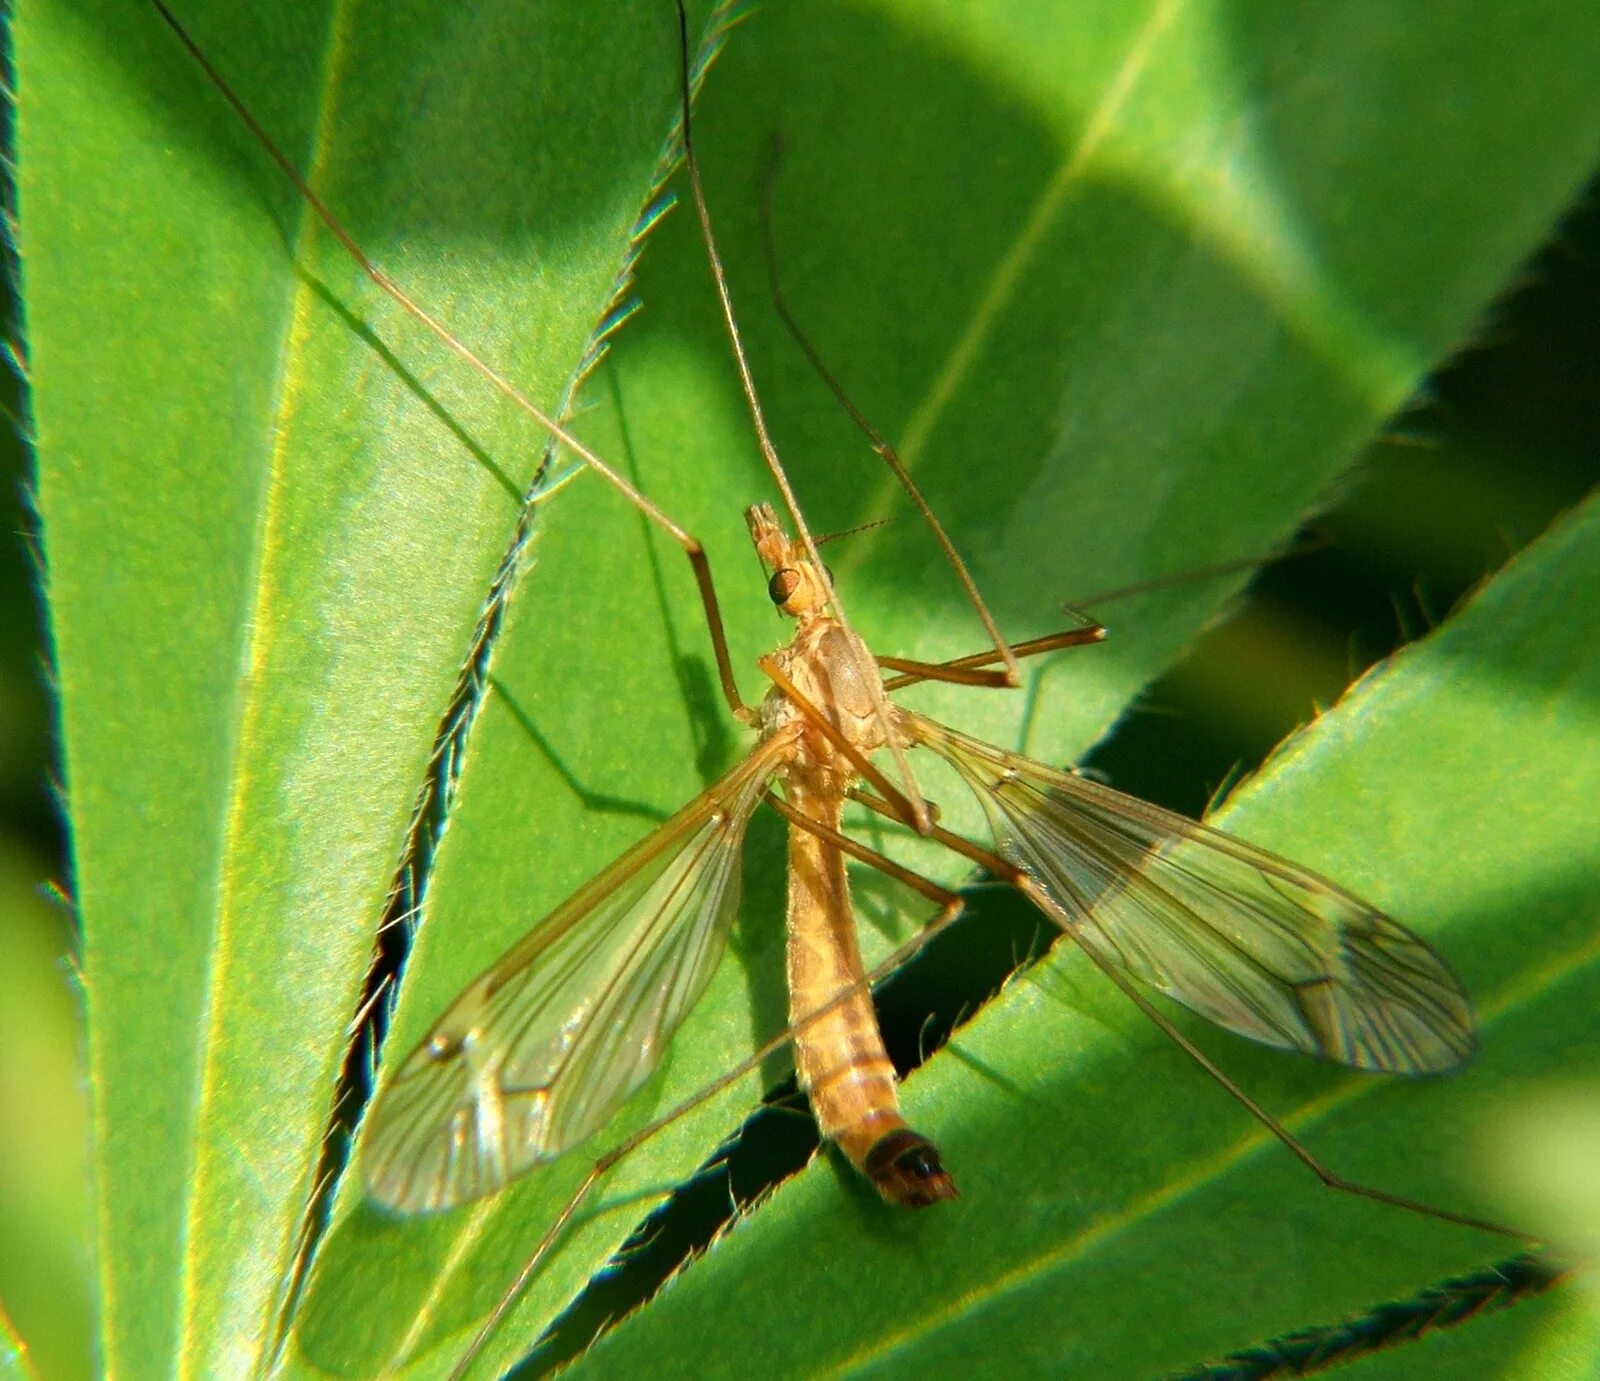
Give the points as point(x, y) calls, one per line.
point(1502, 438)
point(1120, 1215)
point(270, 514)
point(1241, 332)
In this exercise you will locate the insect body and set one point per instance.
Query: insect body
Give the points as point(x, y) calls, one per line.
point(543, 1046)
point(536, 1053)
point(839, 1055)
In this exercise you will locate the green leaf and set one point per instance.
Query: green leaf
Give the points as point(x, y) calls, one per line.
point(271, 513)
point(1129, 286)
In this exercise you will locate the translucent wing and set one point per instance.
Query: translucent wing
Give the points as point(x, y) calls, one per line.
point(539, 1050)
point(1248, 940)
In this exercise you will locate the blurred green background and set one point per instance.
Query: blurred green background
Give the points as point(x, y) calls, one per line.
point(1504, 437)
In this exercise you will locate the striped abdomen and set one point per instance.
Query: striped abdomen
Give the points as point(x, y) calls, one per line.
point(839, 1054)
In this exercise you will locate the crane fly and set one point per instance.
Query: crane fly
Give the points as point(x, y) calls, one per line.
point(538, 1052)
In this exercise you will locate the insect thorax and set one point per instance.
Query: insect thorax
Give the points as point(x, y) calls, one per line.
point(820, 664)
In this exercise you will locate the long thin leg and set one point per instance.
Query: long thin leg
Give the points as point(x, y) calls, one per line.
point(502, 385)
point(860, 852)
point(1091, 632)
point(950, 904)
point(1315, 542)
point(1012, 676)
point(1025, 884)
point(958, 670)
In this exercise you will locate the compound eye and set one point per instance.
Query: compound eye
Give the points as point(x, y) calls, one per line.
point(781, 588)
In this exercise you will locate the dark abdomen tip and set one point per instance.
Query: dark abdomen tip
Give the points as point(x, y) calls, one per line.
point(905, 1167)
